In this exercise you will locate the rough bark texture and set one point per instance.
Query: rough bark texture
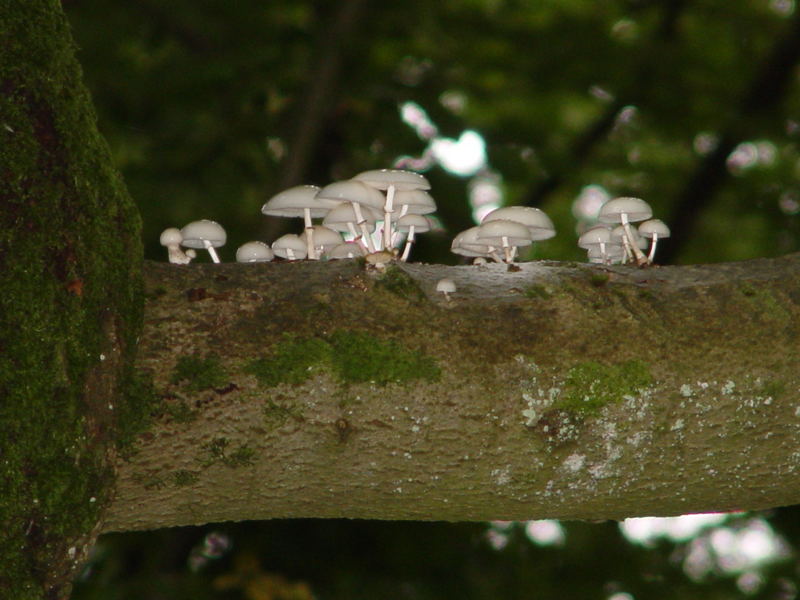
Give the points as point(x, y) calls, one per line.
point(70, 307)
point(556, 390)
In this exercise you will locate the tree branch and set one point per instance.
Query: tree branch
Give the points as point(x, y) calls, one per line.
point(559, 390)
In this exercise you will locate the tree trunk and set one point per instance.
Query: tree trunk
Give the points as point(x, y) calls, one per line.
point(557, 390)
point(70, 308)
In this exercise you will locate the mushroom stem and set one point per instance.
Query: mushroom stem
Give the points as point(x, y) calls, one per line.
point(312, 253)
point(290, 254)
point(652, 252)
point(641, 259)
point(409, 241)
point(178, 256)
point(604, 254)
point(387, 218)
point(495, 256)
point(506, 249)
point(211, 252)
point(363, 226)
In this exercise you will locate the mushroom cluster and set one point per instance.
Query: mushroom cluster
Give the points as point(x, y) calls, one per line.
point(378, 212)
point(614, 241)
point(503, 232)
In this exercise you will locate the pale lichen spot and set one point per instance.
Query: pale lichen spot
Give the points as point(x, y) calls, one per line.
point(502, 476)
point(686, 390)
point(728, 387)
point(574, 462)
point(677, 425)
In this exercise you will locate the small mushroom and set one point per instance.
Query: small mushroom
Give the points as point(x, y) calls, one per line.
point(171, 238)
point(446, 286)
point(204, 234)
point(598, 237)
point(466, 244)
point(626, 210)
point(290, 246)
point(653, 229)
point(324, 238)
point(343, 218)
point(509, 235)
point(358, 194)
point(254, 252)
point(412, 224)
point(345, 250)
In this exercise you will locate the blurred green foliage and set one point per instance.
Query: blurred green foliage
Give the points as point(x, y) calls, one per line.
point(211, 107)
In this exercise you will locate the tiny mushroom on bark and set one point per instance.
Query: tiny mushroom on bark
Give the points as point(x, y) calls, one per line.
point(171, 238)
point(290, 246)
point(598, 237)
point(466, 244)
point(300, 201)
point(654, 230)
point(626, 210)
point(343, 218)
point(446, 286)
point(254, 252)
point(392, 180)
point(204, 234)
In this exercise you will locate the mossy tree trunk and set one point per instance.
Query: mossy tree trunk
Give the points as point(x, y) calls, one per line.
point(554, 390)
point(70, 307)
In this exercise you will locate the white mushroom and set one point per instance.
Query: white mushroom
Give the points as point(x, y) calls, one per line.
point(204, 234)
point(412, 224)
point(598, 237)
point(254, 252)
point(466, 244)
point(171, 238)
point(343, 218)
point(300, 201)
point(358, 194)
point(509, 235)
point(324, 238)
point(392, 180)
point(535, 219)
point(627, 210)
point(653, 229)
point(290, 246)
point(345, 250)
point(446, 286)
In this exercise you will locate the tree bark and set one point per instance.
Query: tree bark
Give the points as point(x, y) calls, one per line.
point(558, 390)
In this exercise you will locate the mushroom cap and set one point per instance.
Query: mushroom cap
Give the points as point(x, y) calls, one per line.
point(535, 219)
point(614, 254)
point(291, 241)
point(418, 202)
point(324, 237)
point(466, 244)
point(594, 236)
point(351, 190)
point(294, 201)
point(344, 213)
point(197, 232)
point(254, 252)
point(420, 223)
point(654, 226)
point(635, 208)
point(171, 236)
point(402, 180)
point(493, 232)
point(345, 250)
point(446, 285)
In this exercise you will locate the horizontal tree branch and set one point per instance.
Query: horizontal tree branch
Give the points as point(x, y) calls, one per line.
point(555, 390)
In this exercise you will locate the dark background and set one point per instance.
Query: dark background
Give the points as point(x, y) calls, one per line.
point(211, 107)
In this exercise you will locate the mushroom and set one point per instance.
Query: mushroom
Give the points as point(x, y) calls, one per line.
point(620, 237)
point(343, 218)
point(358, 194)
point(300, 201)
point(535, 219)
point(446, 286)
point(392, 180)
point(653, 229)
point(290, 246)
point(254, 252)
point(412, 224)
point(626, 210)
point(510, 235)
point(204, 234)
point(466, 244)
point(324, 238)
point(171, 238)
point(598, 237)
point(345, 250)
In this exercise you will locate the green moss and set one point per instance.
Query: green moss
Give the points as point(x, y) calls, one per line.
point(399, 283)
point(747, 289)
point(537, 291)
point(291, 361)
point(352, 356)
point(184, 477)
point(590, 386)
point(196, 374)
point(179, 411)
point(359, 357)
point(218, 451)
point(599, 279)
point(773, 388)
point(276, 415)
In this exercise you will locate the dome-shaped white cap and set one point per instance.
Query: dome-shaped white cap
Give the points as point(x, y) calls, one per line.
point(254, 252)
point(399, 178)
point(636, 209)
point(197, 232)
